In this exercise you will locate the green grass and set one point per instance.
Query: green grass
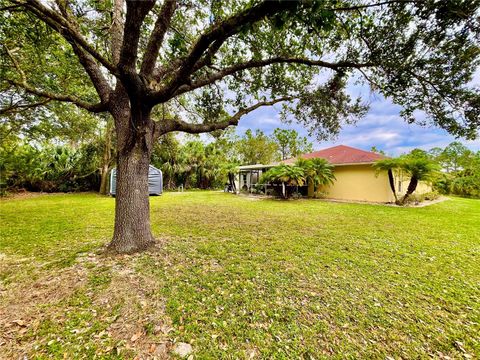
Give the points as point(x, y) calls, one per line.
point(238, 278)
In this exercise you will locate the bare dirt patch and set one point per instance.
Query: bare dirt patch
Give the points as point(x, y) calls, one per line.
point(106, 291)
point(22, 308)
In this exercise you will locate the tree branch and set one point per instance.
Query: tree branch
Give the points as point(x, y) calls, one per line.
point(116, 31)
point(176, 124)
point(136, 13)
point(16, 64)
point(87, 61)
point(218, 33)
point(98, 80)
point(18, 108)
point(156, 37)
point(61, 25)
point(366, 6)
point(95, 108)
point(261, 63)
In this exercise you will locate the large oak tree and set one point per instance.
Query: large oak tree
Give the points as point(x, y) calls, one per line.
point(199, 66)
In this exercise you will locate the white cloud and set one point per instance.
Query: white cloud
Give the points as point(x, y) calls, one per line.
point(382, 127)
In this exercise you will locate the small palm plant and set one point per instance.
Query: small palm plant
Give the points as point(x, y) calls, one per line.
point(389, 165)
point(323, 173)
point(419, 169)
point(286, 175)
point(318, 172)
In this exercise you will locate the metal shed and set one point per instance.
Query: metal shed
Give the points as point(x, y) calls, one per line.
point(155, 181)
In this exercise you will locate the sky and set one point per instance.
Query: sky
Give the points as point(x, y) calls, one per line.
point(382, 127)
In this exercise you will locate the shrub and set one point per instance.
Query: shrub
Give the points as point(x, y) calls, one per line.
point(296, 195)
point(418, 198)
point(49, 169)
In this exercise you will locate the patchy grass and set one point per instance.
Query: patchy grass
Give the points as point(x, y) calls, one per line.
point(241, 279)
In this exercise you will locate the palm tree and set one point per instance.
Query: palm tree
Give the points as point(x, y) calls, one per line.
point(389, 165)
point(419, 169)
point(323, 173)
point(307, 166)
point(286, 175)
point(318, 172)
point(230, 170)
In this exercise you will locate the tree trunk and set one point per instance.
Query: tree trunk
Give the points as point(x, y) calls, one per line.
point(311, 189)
point(171, 183)
point(106, 158)
point(231, 180)
point(391, 180)
point(104, 179)
point(412, 186)
point(132, 211)
point(134, 131)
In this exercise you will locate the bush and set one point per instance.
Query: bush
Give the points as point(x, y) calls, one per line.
point(418, 198)
point(320, 195)
point(296, 195)
point(49, 169)
point(463, 183)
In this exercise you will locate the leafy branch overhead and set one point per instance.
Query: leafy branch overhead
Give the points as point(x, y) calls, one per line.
point(422, 54)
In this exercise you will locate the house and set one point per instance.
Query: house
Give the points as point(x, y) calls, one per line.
point(356, 179)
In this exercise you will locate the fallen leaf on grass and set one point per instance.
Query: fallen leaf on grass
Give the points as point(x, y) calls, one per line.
point(135, 337)
point(19, 322)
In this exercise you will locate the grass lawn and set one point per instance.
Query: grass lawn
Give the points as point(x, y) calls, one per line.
point(241, 278)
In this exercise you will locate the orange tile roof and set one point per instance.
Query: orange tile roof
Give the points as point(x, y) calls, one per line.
point(341, 154)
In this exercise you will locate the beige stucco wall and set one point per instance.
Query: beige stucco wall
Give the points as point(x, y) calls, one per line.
point(402, 181)
point(362, 183)
point(359, 182)
point(423, 188)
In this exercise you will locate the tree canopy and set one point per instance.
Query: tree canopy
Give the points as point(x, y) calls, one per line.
point(290, 143)
point(212, 62)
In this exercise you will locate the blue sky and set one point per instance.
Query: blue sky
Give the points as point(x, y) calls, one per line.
point(382, 127)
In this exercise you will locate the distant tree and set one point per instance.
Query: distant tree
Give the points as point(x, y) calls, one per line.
point(61, 124)
point(435, 152)
point(256, 148)
point(166, 157)
point(230, 170)
point(107, 155)
point(418, 154)
point(48, 167)
point(464, 182)
point(290, 143)
point(375, 150)
point(455, 157)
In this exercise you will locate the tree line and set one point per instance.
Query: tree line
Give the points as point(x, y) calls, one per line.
point(57, 159)
point(64, 162)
